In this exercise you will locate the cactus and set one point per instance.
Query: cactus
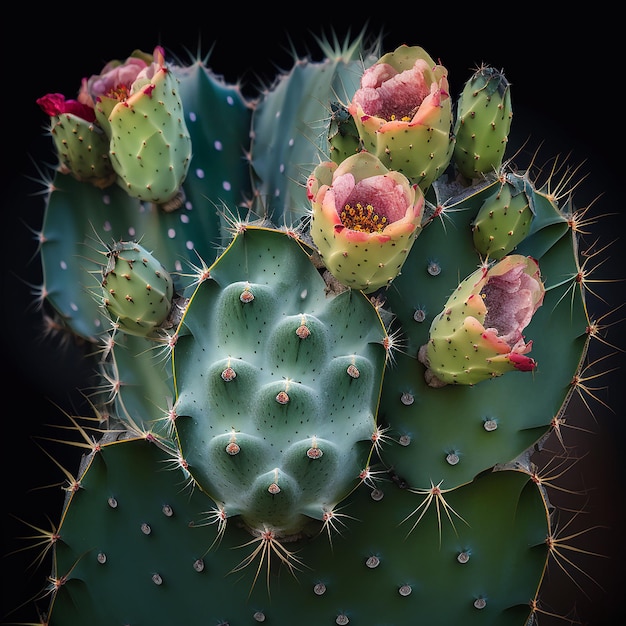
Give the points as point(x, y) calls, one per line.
point(483, 123)
point(504, 219)
point(403, 112)
point(478, 335)
point(364, 220)
point(305, 413)
point(137, 290)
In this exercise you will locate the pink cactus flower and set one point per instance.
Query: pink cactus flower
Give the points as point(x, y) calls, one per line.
point(56, 104)
point(479, 333)
point(403, 113)
point(511, 294)
point(116, 79)
point(120, 83)
point(365, 219)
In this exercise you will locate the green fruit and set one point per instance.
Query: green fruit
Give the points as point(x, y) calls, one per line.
point(504, 219)
point(137, 289)
point(483, 122)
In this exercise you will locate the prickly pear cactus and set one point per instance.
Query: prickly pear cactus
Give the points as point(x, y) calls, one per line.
point(305, 412)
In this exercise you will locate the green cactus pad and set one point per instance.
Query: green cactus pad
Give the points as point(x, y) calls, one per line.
point(138, 392)
point(450, 431)
point(153, 552)
point(277, 384)
point(283, 155)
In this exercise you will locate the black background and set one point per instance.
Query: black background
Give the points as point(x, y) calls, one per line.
point(565, 76)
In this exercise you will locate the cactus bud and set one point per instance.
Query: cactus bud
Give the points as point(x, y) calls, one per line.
point(82, 146)
point(483, 123)
point(138, 105)
point(137, 289)
point(504, 219)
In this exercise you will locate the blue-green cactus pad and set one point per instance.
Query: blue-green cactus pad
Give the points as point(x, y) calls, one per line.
point(244, 376)
point(449, 431)
point(146, 560)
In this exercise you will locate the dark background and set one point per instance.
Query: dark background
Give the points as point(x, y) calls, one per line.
point(565, 77)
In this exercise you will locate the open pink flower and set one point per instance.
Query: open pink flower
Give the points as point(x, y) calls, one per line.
point(56, 104)
point(115, 81)
point(479, 333)
point(118, 81)
point(511, 295)
point(365, 219)
point(403, 113)
point(138, 106)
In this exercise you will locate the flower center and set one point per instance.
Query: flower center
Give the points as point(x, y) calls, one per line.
point(363, 218)
point(403, 118)
point(119, 92)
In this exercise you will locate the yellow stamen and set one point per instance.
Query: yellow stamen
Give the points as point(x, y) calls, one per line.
point(119, 92)
point(362, 218)
point(403, 118)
